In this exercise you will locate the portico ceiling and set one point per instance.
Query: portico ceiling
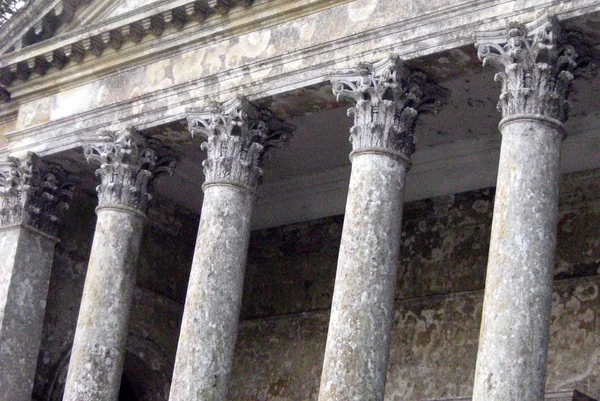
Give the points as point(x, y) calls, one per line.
point(457, 150)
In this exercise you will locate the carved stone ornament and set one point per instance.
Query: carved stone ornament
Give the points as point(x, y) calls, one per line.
point(536, 66)
point(238, 138)
point(127, 167)
point(34, 193)
point(388, 98)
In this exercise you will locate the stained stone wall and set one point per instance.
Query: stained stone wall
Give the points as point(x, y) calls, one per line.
point(288, 290)
point(439, 301)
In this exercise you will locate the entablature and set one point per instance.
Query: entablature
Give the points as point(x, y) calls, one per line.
point(216, 70)
point(143, 35)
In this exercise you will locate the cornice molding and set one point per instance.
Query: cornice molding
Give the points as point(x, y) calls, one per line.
point(94, 62)
point(37, 21)
point(73, 46)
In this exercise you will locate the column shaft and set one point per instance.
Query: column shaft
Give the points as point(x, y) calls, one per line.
point(513, 344)
point(535, 70)
point(32, 195)
point(25, 267)
point(99, 346)
point(237, 135)
point(127, 165)
point(212, 307)
point(356, 355)
point(388, 98)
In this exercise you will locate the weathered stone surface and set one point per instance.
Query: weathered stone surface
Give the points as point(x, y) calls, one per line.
point(66, 287)
point(291, 269)
point(209, 327)
point(261, 60)
point(155, 86)
point(280, 358)
point(356, 356)
point(5, 127)
point(445, 244)
point(126, 166)
point(64, 297)
point(32, 195)
point(388, 97)
point(511, 361)
point(170, 231)
point(514, 338)
point(579, 396)
point(98, 353)
point(96, 363)
point(535, 73)
point(155, 319)
point(434, 339)
point(238, 136)
point(24, 276)
point(573, 357)
point(432, 353)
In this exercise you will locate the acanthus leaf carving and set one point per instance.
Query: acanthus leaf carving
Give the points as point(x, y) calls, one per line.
point(389, 97)
point(34, 193)
point(127, 167)
point(536, 67)
point(238, 137)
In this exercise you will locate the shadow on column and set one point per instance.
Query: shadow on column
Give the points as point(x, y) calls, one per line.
point(140, 382)
point(126, 393)
point(578, 396)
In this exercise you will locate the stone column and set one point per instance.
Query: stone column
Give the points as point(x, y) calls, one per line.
point(388, 98)
point(238, 135)
point(535, 74)
point(32, 193)
point(126, 167)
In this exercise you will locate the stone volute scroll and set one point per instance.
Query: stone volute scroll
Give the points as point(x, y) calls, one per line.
point(389, 97)
point(238, 138)
point(536, 64)
point(33, 193)
point(128, 164)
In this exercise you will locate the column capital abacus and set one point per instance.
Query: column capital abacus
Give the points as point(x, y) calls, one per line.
point(389, 97)
point(238, 137)
point(536, 64)
point(33, 193)
point(128, 164)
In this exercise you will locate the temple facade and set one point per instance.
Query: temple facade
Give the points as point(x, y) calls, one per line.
point(183, 217)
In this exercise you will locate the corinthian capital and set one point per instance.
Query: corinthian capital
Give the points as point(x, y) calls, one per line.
point(127, 166)
point(389, 97)
point(33, 193)
point(238, 138)
point(537, 64)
